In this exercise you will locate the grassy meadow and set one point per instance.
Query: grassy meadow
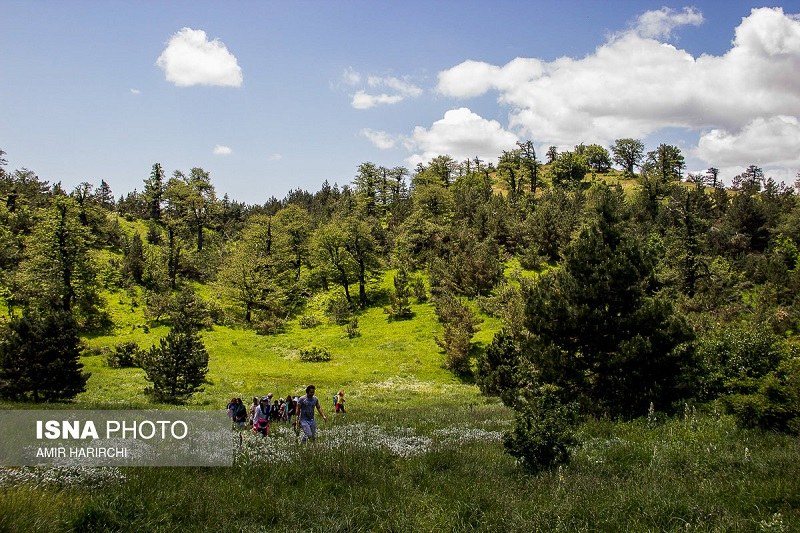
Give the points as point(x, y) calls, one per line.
point(419, 450)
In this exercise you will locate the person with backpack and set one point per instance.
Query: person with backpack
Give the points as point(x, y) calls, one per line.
point(305, 414)
point(261, 417)
point(239, 414)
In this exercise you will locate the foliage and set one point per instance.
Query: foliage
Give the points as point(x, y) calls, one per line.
point(177, 367)
point(124, 355)
point(315, 354)
point(544, 431)
point(352, 328)
point(773, 403)
point(58, 271)
point(731, 357)
point(338, 309)
point(598, 329)
point(39, 354)
point(628, 154)
point(460, 324)
point(400, 302)
point(309, 321)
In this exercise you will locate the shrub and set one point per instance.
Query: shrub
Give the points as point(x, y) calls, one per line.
point(309, 321)
point(730, 359)
point(124, 355)
point(315, 354)
point(774, 404)
point(543, 431)
point(338, 310)
point(352, 328)
point(270, 326)
point(460, 324)
point(419, 289)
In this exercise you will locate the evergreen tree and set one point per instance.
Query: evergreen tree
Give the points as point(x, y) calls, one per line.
point(154, 192)
point(177, 367)
point(599, 331)
point(39, 355)
point(134, 263)
point(400, 298)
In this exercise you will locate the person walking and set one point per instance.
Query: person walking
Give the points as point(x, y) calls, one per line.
point(261, 417)
point(340, 401)
point(305, 414)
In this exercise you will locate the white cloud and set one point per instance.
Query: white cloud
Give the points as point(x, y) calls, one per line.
point(381, 139)
point(461, 134)
point(396, 89)
point(222, 150)
point(191, 59)
point(773, 141)
point(401, 87)
point(634, 85)
point(275, 157)
point(351, 77)
point(660, 23)
point(136, 91)
point(362, 100)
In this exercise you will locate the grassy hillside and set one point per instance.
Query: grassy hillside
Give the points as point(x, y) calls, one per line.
point(394, 363)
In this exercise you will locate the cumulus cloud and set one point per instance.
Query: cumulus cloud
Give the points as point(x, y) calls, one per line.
point(767, 141)
point(381, 139)
point(461, 134)
point(660, 23)
point(191, 59)
point(222, 150)
point(136, 91)
point(392, 90)
point(634, 85)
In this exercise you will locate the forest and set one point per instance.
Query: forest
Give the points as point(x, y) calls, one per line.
point(623, 285)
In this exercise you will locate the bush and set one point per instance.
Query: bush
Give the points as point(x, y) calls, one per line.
point(730, 359)
point(309, 321)
point(125, 355)
point(315, 354)
point(270, 326)
point(543, 431)
point(774, 404)
point(419, 289)
point(338, 310)
point(460, 324)
point(352, 328)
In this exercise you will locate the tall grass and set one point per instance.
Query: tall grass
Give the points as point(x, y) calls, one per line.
point(697, 474)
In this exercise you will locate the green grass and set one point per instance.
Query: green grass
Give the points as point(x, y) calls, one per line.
point(681, 475)
point(419, 450)
point(391, 362)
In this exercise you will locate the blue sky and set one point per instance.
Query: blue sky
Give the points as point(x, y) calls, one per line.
point(272, 96)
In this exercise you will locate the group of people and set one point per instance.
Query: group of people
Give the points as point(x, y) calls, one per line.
point(266, 410)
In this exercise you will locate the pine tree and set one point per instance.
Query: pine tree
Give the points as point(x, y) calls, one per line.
point(177, 367)
point(599, 331)
point(39, 357)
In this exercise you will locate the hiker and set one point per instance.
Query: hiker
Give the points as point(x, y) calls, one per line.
point(252, 411)
point(239, 414)
point(291, 405)
point(340, 401)
point(305, 414)
point(261, 417)
point(275, 412)
point(230, 406)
